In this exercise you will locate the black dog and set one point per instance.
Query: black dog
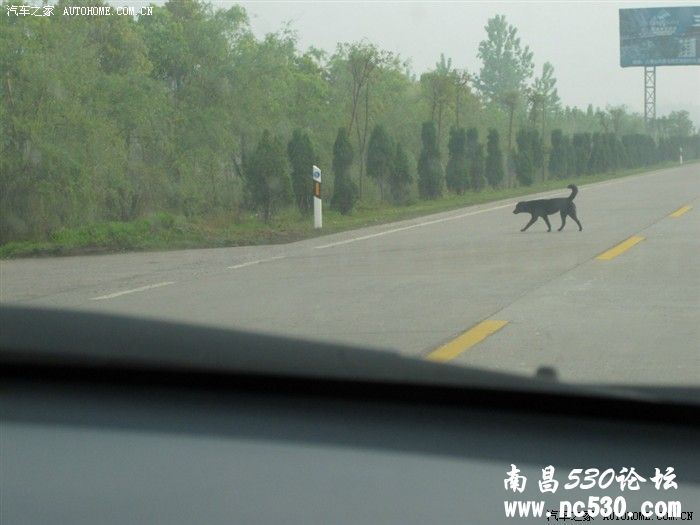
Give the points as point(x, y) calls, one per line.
point(543, 207)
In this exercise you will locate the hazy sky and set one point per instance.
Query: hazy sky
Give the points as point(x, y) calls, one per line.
point(581, 40)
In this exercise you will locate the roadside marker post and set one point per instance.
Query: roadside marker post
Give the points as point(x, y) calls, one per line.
point(318, 209)
point(680, 154)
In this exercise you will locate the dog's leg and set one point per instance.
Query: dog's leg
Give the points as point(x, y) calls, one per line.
point(546, 220)
point(532, 221)
point(563, 220)
point(572, 214)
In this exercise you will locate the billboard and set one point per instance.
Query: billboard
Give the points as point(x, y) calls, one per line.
point(660, 36)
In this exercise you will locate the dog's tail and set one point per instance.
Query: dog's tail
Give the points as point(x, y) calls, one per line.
point(574, 191)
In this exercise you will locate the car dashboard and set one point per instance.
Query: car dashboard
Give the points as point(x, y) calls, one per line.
point(99, 441)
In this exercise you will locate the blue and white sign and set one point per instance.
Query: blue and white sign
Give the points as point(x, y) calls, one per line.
point(660, 36)
point(318, 207)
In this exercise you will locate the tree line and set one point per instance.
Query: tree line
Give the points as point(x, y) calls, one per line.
point(187, 112)
point(596, 153)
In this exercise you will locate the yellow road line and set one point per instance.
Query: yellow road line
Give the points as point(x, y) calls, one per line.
point(620, 248)
point(465, 341)
point(680, 211)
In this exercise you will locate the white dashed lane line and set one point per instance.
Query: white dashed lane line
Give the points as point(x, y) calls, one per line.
point(134, 290)
point(166, 283)
point(251, 263)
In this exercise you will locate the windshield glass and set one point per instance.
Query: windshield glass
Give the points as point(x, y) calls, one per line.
point(500, 186)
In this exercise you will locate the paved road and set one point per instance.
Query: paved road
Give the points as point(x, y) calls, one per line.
point(419, 285)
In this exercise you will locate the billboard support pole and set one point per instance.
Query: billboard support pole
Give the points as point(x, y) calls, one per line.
point(650, 97)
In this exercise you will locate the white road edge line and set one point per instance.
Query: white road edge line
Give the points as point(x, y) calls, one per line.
point(141, 289)
point(251, 263)
point(412, 226)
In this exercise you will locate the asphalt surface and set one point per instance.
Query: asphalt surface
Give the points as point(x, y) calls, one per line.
point(418, 285)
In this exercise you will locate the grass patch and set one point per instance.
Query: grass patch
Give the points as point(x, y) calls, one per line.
point(163, 231)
